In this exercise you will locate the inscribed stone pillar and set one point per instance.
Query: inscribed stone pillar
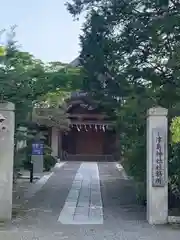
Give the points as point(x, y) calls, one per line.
point(6, 159)
point(54, 141)
point(157, 166)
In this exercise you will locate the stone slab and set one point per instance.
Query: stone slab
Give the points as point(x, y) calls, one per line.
point(84, 193)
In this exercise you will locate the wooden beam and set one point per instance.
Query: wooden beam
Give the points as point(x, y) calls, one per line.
point(82, 116)
point(75, 122)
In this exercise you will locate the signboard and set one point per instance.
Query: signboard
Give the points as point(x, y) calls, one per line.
point(37, 148)
point(158, 161)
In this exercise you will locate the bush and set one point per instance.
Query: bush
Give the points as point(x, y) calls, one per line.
point(47, 150)
point(174, 175)
point(135, 166)
point(174, 163)
point(141, 192)
point(49, 162)
point(136, 162)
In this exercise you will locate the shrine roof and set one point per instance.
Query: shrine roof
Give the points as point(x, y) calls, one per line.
point(82, 100)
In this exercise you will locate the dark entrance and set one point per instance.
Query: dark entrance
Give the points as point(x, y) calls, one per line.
point(91, 136)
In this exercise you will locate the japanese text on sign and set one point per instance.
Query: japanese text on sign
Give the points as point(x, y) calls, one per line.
point(37, 149)
point(158, 166)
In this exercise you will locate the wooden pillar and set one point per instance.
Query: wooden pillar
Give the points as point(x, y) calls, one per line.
point(54, 141)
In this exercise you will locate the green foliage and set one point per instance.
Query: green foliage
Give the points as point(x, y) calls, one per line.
point(49, 162)
point(28, 82)
point(175, 130)
point(174, 175)
point(47, 150)
point(51, 117)
point(174, 162)
point(50, 110)
point(22, 155)
point(24, 80)
point(2, 51)
point(130, 55)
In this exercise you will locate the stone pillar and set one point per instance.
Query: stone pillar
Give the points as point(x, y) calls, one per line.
point(157, 166)
point(7, 121)
point(54, 141)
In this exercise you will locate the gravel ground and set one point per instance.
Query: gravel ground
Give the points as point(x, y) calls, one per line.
point(123, 218)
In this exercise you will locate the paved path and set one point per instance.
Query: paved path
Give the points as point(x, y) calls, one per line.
point(84, 201)
point(84, 204)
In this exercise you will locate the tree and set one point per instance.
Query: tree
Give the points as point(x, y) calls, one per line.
point(50, 108)
point(140, 64)
point(143, 42)
point(26, 81)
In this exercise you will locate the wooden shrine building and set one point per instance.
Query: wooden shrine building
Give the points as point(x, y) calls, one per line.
point(91, 135)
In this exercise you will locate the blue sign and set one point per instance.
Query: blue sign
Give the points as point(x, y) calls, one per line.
point(37, 149)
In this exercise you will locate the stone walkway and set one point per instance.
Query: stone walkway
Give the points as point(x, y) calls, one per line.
point(47, 214)
point(84, 203)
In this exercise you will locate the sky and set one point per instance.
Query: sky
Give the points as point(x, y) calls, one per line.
point(44, 28)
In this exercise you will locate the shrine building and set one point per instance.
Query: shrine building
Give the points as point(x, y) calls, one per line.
point(91, 135)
